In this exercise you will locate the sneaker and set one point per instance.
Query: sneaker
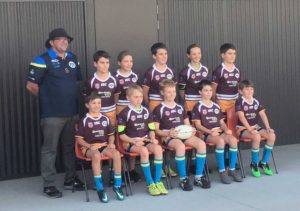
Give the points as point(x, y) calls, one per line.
point(119, 193)
point(171, 172)
point(163, 174)
point(153, 190)
point(76, 183)
point(266, 168)
point(135, 176)
point(254, 169)
point(52, 192)
point(202, 182)
point(192, 169)
point(225, 179)
point(185, 184)
point(102, 196)
point(236, 177)
point(160, 186)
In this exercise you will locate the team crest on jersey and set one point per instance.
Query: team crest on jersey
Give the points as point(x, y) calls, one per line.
point(133, 118)
point(204, 74)
point(32, 71)
point(97, 86)
point(121, 81)
point(167, 113)
point(111, 85)
point(146, 116)
point(179, 111)
point(72, 64)
point(104, 123)
point(90, 124)
point(246, 108)
point(255, 107)
point(225, 75)
point(169, 76)
point(134, 80)
point(237, 75)
point(193, 76)
point(157, 77)
point(204, 111)
point(217, 111)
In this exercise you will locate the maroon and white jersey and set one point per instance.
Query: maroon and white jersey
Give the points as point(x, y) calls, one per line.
point(95, 130)
point(227, 81)
point(134, 123)
point(106, 89)
point(190, 78)
point(123, 82)
point(250, 110)
point(209, 116)
point(169, 117)
point(153, 77)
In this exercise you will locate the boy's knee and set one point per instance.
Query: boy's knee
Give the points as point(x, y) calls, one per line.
point(220, 143)
point(144, 152)
point(96, 157)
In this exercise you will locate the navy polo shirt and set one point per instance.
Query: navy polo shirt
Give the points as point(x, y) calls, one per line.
point(57, 79)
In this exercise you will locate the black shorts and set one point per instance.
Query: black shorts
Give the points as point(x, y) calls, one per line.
point(100, 150)
point(241, 133)
point(206, 135)
point(166, 142)
point(131, 145)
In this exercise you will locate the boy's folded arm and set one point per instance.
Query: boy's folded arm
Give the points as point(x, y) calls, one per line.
point(82, 142)
point(201, 128)
point(264, 119)
point(244, 121)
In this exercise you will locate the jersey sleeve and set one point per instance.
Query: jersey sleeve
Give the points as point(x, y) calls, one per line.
point(87, 89)
point(238, 105)
point(121, 123)
point(37, 70)
point(156, 114)
point(195, 113)
point(147, 78)
point(182, 79)
point(216, 76)
point(260, 107)
point(110, 129)
point(151, 125)
point(80, 130)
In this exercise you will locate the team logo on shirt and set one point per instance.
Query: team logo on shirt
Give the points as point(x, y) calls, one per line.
point(32, 71)
point(246, 108)
point(204, 74)
point(217, 111)
point(237, 75)
point(157, 77)
point(90, 124)
point(133, 118)
point(179, 111)
point(204, 111)
point(134, 80)
point(255, 107)
point(146, 116)
point(111, 85)
point(121, 81)
point(104, 123)
point(169, 76)
point(193, 76)
point(97, 86)
point(72, 64)
point(167, 113)
point(225, 75)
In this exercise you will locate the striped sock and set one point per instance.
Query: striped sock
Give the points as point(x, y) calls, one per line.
point(267, 153)
point(158, 169)
point(232, 158)
point(98, 182)
point(147, 172)
point(118, 180)
point(255, 155)
point(180, 162)
point(220, 159)
point(200, 162)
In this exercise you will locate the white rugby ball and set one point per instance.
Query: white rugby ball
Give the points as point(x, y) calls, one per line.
point(184, 131)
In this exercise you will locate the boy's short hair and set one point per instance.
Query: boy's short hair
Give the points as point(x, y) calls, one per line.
point(188, 50)
point(132, 88)
point(99, 54)
point(246, 83)
point(156, 46)
point(92, 96)
point(122, 54)
point(226, 46)
point(166, 83)
point(204, 83)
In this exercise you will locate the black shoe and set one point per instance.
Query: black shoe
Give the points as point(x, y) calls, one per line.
point(236, 177)
point(135, 176)
point(202, 182)
point(52, 192)
point(225, 178)
point(119, 193)
point(192, 169)
point(102, 196)
point(185, 184)
point(76, 183)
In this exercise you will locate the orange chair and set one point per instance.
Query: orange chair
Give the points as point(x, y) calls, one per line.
point(82, 159)
point(232, 120)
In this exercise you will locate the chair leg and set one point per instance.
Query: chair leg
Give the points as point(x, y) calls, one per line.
point(166, 167)
point(128, 176)
point(241, 162)
point(124, 176)
point(188, 161)
point(85, 183)
point(206, 171)
point(274, 163)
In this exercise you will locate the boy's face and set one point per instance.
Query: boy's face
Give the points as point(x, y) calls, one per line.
point(229, 56)
point(126, 63)
point(136, 98)
point(102, 65)
point(195, 55)
point(161, 56)
point(169, 94)
point(94, 106)
point(206, 92)
point(247, 92)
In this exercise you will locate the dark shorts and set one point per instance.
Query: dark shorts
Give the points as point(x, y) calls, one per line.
point(131, 145)
point(166, 142)
point(100, 150)
point(206, 135)
point(242, 131)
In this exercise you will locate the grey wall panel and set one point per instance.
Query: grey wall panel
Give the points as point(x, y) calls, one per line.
point(24, 29)
point(131, 26)
point(266, 34)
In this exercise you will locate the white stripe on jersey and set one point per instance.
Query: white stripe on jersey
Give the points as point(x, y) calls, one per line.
point(123, 102)
point(227, 97)
point(108, 108)
point(154, 97)
point(193, 97)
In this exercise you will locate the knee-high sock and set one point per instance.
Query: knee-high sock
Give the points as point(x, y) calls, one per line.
point(220, 159)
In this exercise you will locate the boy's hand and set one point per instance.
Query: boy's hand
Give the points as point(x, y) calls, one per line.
point(270, 130)
point(173, 133)
point(228, 132)
point(194, 131)
point(139, 143)
point(111, 146)
point(215, 133)
point(154, 141)
point(254, 132)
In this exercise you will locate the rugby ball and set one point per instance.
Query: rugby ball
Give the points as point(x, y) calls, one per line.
point(184, 131)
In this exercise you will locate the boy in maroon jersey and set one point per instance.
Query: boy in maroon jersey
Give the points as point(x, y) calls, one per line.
point(95, 134)
point(136, 129)
point(249, 110)
point(209, 119)
point(169, 115)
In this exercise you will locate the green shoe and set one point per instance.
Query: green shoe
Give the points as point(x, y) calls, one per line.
point(171, 172)
point(153, 190)
point(266, 168)
point(254, 169)
point(163, 174)
point(160, 186)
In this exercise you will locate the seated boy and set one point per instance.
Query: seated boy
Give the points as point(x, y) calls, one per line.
point(136, 130)
point(249, 110)
point(208, 118)
point(169, 115)
point(95, 134)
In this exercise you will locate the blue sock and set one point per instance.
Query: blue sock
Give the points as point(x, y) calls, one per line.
point(147, 172)
point(267, 153)
point(158, 169)
point(220, 159)
point(98, 182)
point(255, 155)
point(118, 180)
point(200, 162)
point(180, 162)
point(232, 158)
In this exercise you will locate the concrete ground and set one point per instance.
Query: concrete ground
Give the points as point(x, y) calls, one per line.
point(278, 192)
